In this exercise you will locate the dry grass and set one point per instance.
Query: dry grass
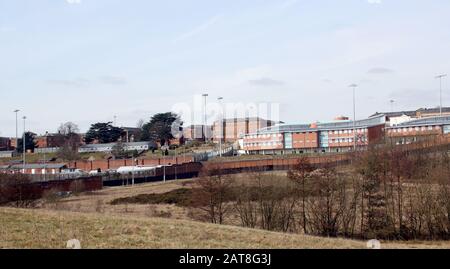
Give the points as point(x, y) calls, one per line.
point(99, 201)
point(91, 219)
point(23, 228)
point(51, 229)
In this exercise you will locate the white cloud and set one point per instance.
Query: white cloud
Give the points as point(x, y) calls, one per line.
point(374, 2)
point(73, 2)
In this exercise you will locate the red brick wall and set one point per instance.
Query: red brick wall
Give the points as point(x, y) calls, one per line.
point(305, 140)
point(114, 164)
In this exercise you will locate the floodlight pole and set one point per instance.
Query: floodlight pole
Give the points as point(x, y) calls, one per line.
point(440, 91)
point(354, 86)
point(205, 96)
point(221, 126)
point(24, 143)
point(17, 129)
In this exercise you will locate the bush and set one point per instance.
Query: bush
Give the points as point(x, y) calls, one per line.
point(16, 189)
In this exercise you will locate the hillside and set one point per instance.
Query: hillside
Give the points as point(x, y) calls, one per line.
point(23, 228)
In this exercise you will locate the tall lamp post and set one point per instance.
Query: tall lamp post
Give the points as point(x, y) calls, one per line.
point(392, 105)
point(24, 144)
point(17, 129)
point(354, 86)
point(221, 125)
point(205, 96)
point(440, 91)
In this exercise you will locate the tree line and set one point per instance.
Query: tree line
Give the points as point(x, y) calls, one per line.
point(386, 193)
point(159, 129)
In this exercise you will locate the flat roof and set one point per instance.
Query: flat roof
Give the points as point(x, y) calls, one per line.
point(326, 126)
point(444, 120)
point(39, 166)
point(113, 144)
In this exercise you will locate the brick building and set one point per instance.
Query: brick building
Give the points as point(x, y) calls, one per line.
point(336, 136)
point(5, 144)
point(34, 168)
point(50, 141)
point(419, 129)
point(196, 132)
point(231, 130)
point(399, 117)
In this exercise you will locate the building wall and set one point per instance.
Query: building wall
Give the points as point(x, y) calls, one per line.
point(234, 129)
point(5, 143)
point(105, 165)
point(415, 131)
point(305, 140)
point(50, 141)
point(195, 132)
point(310, 141)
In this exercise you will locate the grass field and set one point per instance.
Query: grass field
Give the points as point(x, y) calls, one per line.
point(22, 228)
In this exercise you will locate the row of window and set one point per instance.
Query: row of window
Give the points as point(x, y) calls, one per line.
point(263, 144)
point(412, 129)
point(359, 131)
point(264, 136)
point(347, 140)
point(307, 141)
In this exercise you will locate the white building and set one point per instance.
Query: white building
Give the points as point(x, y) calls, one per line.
point(139, 146)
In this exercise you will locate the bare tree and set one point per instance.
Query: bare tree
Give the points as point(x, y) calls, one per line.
point(68, 128)
point(300, 175)
point(211, 195)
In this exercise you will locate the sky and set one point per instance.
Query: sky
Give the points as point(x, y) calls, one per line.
point(87, 61)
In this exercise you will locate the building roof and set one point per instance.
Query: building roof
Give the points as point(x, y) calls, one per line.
point(327, 126)
point(433, 110)
point(110, 145)
point(444, 120)
point(413, 113)
point(395, 114)
point(39, 166)
point(246, 119)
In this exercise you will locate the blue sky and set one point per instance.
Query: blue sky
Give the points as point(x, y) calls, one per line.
point(88, 60)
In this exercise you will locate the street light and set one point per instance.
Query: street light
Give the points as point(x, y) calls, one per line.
point(17, 130)
point(24, 144)
point(221, 125)
point(205, 117)
point(354, 86)
point(440, 91)
point(392, 105)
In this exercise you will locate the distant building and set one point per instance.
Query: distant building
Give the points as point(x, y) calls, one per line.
point(34, 169)
point(139, 146)
point(399, 117)
point(50, 141)
point(7, 154)
point(418, 129)
point(197, 132)
point(336, 136)
point(5, 143)
point(130, 134)
point(231, 130)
